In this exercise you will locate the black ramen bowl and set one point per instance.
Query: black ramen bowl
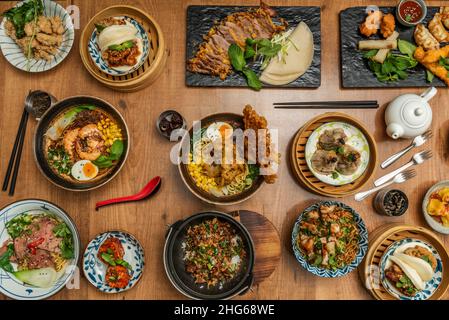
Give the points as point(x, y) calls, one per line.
point(184, 282)
point(46, 120)
point(236, 120)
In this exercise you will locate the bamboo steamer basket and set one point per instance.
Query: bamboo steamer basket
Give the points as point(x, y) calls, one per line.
point(148, 72)
point(380, 240)
point(301, 170)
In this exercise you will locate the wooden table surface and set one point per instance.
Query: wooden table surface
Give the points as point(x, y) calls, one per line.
point(149, 156)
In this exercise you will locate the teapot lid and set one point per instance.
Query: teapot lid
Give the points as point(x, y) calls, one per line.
point(416, 113)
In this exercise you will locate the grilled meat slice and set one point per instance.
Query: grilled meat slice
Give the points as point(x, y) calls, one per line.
point(212, 56)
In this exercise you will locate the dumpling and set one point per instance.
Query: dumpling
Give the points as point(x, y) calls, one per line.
point(445, 16)
point(437, 29)
point(348, 160)
point(324, 161)
point(425, 39)
point(332, 139)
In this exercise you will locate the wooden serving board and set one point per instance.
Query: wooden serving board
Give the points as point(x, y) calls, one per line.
point(266, 240)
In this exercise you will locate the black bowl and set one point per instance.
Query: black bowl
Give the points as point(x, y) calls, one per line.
point(52, 113)
point(184, 282)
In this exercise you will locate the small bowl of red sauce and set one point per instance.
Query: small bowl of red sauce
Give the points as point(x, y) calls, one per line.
point(411, 12)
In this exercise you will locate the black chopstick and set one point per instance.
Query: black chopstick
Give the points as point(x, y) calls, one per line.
point(329, 103)
point(14, 151)
point(15, 173)
point(329, 106)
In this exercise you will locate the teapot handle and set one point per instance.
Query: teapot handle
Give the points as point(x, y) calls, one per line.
point(429, 93)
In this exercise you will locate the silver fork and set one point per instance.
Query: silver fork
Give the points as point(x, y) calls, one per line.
point(418, 158)
point(399, 178)
point(417, 141)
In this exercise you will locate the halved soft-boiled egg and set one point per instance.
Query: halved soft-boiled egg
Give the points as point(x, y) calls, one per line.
point(219, 129)
point(84, 170)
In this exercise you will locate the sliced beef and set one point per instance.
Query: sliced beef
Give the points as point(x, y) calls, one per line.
point(41, 259)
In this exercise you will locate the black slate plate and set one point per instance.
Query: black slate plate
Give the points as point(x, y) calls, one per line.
point(201, 18)
point(355, 72)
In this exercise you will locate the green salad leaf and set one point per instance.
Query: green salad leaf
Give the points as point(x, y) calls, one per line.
point(18, 225)
point(23, 14)
point(117, 149)
point(5, 262)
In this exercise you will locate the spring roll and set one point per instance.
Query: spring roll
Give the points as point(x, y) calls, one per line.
point(377, 44)
point(381, 55)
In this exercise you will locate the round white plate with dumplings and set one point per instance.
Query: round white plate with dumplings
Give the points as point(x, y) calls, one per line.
point(356, 139)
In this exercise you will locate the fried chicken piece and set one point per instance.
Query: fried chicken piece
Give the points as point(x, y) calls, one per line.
point(44, 25)
point(48, 40)
point(388, 25)
point(56, 25)
point(425, 39)
point(430, 60)
point(270, 160)
point(371, 23)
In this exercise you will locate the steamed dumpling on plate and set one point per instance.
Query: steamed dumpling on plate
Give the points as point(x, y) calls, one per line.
point(324, 162)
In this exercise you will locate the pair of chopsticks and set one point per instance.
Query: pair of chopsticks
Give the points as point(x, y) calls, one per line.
point(16, 155)
point(363, 104)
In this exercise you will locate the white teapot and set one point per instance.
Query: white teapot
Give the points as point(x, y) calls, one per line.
point(409, 115)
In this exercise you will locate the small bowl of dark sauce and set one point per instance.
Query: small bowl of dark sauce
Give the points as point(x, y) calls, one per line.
point(411, 12)
point(391, 202)
point(169, 121)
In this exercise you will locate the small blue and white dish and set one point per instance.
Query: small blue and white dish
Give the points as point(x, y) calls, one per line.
point(400, 246)
point(331, 273)
point(95, 270)
point(95, 52)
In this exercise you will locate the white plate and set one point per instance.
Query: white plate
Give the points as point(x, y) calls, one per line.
point(356, 139)
point(10, 285)
point(401, 246)
point(95, 54)
point(435, 225)
point(12, 52)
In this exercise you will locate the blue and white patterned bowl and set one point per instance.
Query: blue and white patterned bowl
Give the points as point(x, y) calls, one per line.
point(327, 273)
point(17, 58)
point(95, 53)
point(95, 270)
point(10, 285)
point(431, 286)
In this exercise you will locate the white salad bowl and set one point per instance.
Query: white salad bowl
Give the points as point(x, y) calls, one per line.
point(9, 284)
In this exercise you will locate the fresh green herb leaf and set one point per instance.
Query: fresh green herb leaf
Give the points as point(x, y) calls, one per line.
point(123, 263)
point(335, 175)
point(108, 259)
point(429, 76)
point(252, 79)
point(120, 47)
point(406, 47)
point(249, 52)
point(5, 262)
point(117, 149)
point(237, 57)
point(18, 225)
point(269, 51)
point(99, 27)
point(370, 53)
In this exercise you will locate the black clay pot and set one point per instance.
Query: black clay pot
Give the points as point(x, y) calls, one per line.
point(184, 282)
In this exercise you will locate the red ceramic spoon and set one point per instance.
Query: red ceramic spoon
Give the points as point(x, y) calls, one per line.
point(151, 188)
